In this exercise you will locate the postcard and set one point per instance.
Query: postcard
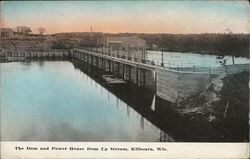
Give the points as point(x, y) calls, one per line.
point(124, 79)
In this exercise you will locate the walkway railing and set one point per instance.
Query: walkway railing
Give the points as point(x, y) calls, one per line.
point(170, 66)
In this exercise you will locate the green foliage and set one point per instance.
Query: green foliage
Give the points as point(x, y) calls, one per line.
point(217, 44)
point(62, 44)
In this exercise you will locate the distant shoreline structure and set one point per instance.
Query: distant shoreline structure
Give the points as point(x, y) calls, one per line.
point(222, 44)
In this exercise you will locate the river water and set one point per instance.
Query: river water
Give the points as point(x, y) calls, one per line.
point(69, 101)
point(178, 59)
point(54, 101)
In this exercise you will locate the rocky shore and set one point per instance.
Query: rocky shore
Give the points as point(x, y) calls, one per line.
point(223, 104)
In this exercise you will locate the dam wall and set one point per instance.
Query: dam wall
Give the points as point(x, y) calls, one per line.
point(171, 84)
point(174, 86)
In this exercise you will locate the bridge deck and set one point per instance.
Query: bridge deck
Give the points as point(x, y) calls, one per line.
point(120, 60)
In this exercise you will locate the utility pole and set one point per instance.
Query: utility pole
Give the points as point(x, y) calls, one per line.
point(91, 38)
point(162, 64)
point(142, 55)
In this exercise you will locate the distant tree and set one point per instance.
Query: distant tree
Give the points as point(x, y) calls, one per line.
point(41, 30)
point(229, 44)
point(23, 29)
point(62, 44)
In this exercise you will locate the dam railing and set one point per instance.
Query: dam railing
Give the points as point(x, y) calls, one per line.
point(128, 58)
point(170, 66)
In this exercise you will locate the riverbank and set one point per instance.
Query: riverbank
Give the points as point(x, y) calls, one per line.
point(224, 104)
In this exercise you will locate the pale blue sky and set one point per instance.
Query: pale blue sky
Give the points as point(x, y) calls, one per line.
point(129, 16)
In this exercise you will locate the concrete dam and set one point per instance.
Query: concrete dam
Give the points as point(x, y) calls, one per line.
point(169, 83)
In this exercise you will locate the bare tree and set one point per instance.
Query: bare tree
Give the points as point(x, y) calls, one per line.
point(23, 29)
point(41, 30)
point(229, 44)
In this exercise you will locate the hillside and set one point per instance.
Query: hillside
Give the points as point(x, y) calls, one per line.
point(25, 43)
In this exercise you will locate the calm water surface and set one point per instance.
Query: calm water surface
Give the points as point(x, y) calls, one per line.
point(178, 59)
point(53, 101)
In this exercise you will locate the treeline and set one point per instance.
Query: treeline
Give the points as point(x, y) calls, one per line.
point(217, 44)
point(71, 40)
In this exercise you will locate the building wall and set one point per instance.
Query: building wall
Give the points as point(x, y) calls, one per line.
point(125, 43)
point(131, 47)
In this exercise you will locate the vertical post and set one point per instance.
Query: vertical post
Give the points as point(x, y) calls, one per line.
point(144, 78)
point(144, 50)
point(113, 66)
point(123, 70)
point(117, 52)
point(118, 67)
point(97, 62)
point(155, 82)
point(162, 64)
point(129, 73)
point(137, 79)
point(225, 112)
point(102, 63)
point(92, 60)
point(142, 58)
point(109, 65)
point(128, 53)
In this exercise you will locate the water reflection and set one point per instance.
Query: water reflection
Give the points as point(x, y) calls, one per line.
point(144, 107)
point(64, 101)
point(54, 101)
